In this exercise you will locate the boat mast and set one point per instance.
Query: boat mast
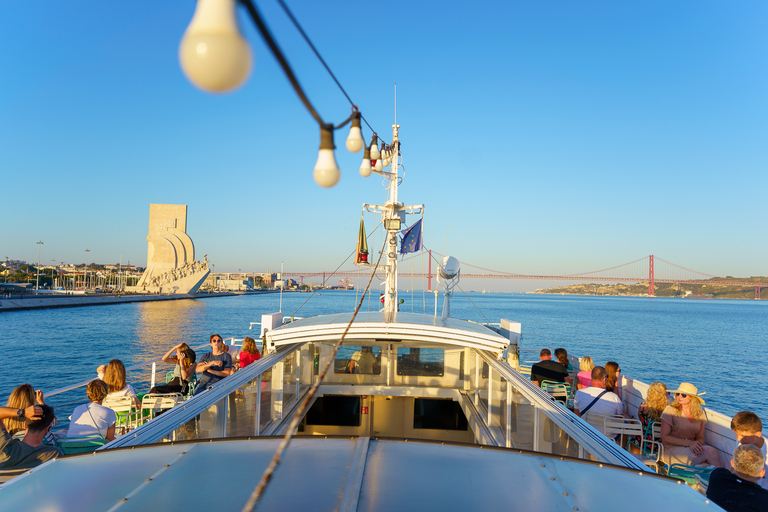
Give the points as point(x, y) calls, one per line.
point(391, 211)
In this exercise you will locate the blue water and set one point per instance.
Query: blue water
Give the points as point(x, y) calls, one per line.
point(716, 344)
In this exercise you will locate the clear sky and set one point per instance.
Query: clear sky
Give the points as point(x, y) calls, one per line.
point(543, 137)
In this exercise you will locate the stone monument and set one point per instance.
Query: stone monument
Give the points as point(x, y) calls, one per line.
point(171, 265)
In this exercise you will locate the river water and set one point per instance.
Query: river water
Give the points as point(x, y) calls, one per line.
point(715, 344)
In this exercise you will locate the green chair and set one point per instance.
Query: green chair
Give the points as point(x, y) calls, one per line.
point(689, 474)
point(560, 391)
point(79, 444)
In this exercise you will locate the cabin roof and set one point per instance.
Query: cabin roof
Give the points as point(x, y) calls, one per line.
point(338, 474)
point(380, 326)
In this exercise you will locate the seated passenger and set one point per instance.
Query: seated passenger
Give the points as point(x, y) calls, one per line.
point(100, 371)
point(749, 429)
point(362, 361)
point(93, 418)
point(737, 490)
point(214, 365)
point(682, 429)
point(114, 378)
point(584, 377)
point(234, 353)
point(562, 357)
point(546, 369)
point(249, 353)
point(656, 400)
point(597, 399)
point(183, 373)
point(21, 398)
point(613, 381)
point(30, 451)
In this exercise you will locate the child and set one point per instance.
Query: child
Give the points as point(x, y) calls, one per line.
point(100, 371)
point(749, 429)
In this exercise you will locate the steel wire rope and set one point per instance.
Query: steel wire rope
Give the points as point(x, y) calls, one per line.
point(325, 65)
point(266, 477)
point(331, 275)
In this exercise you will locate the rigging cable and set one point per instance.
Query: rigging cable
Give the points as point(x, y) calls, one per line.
point(269, 472)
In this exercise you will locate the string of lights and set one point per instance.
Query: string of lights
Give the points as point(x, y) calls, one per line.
point(216, 58)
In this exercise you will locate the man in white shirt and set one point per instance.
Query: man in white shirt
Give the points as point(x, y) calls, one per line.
point(596, 399)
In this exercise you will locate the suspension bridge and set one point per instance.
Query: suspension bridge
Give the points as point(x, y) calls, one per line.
point(649, 269)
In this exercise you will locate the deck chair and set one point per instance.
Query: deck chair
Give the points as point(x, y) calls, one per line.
point(127, 416)
point(560, 391)
point(690, 474)
point(156, 403)
point(80, 444)
point(597, 420)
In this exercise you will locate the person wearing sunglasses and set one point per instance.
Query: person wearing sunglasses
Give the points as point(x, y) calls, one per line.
point(214, 365)
point(682, 429)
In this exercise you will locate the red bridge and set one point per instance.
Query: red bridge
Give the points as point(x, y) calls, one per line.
point(648, 269)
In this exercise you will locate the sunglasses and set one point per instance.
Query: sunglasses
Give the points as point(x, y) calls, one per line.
point(681, 395)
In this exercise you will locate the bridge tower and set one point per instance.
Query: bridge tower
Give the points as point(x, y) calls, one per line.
point(651, 290)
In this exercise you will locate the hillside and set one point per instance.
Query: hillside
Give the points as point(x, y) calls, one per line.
point(746, 291)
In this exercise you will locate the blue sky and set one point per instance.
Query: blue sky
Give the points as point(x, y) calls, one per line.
point(542, 137)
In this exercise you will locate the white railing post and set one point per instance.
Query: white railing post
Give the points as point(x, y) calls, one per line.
point(154, 369)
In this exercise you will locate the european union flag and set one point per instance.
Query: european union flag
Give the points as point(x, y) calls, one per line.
point(411, 239)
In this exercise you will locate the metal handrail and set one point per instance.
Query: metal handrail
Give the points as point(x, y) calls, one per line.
point(134, 367)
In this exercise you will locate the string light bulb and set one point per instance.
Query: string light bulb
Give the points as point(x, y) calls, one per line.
point(355, 140)
point(375, 154)
point(365, 167)
point(379, 166)
point(327, 172)
point(213, 54)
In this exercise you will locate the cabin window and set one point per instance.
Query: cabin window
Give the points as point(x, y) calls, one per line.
point(438, 414)
point(423, 362)
point(358, 360)
point(338, 411)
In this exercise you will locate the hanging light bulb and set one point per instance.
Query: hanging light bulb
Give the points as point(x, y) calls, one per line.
point(375, 154)
point(326, 171)
point(379, 166)
point(365, 167)
point(383, 151)
point(355, 140)
point(213, 53)
point(385, 162)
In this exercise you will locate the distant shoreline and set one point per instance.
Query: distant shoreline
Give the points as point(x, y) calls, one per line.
point(77, 301)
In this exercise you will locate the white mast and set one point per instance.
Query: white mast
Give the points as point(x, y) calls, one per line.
point(392, 215)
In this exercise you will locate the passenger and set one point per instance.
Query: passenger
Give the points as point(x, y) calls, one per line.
point(249, 353)
point(214, 365)
point(682, 429)
point(656, 400)
point(21, 398)
point(749, 430)
point(183, 373)
point(30, 451)
point(234, 353)
point(737, 490)
point(362, 361)
point(546, 369)
point(584, 377)
point(597, 399)
point(100, 371)
point(93, 418)
point(114, 378)
point(613, 381)
point(562, 357)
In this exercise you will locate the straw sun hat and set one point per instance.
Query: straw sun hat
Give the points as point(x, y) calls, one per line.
point(690, 390)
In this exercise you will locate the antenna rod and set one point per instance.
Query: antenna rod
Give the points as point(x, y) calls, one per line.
point(395, 102)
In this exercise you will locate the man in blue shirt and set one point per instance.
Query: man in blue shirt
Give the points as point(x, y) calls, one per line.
point(738, 490)
point(214, 365)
